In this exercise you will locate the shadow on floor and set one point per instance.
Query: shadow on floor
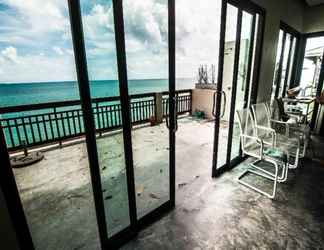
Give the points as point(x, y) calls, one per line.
point(222, 214)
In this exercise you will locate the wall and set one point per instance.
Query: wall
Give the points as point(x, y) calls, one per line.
point(288, 11)
point(202, 100)
point(7, 234)
point(314, 19)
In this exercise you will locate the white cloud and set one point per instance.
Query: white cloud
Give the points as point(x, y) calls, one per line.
point(197, 34)
point(145, 34)
point(10, 54)
point(69, 51)
point(35, 28)
point(34, 68)
point(58, 50)
point(146, 21)
point(39, 15)
point(98, 24)
point(40, 22)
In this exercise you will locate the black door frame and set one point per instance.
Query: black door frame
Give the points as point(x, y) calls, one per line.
point(11, 196)
point(254, 10)
point(288, 83)
point(7, 179)
point(77, 33)
point(321, 77)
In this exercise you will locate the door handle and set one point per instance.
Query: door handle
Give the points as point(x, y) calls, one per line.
point(214, 104)
point(224, 106)
point(175, 99)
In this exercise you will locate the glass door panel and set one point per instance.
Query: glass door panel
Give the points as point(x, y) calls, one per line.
point(277, 68)
point(229, 54)
point(243, 78)
point(241, 33)
point(290, 66)
point(100, 46)
point(284, 70)
point(311, 66)
point(146, 35)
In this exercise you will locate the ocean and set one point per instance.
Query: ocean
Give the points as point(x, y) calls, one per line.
point(40, 128)
point(12, 94)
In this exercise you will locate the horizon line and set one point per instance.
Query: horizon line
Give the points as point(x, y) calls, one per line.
point(66, 81)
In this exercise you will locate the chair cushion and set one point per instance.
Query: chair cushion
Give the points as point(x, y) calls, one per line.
point(276, 154)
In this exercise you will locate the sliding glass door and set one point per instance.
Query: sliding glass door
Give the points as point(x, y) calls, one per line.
point(242, 97)
point(284, 74)
point(130, 146)
point(311, 67)
point(148, 81)
point(312, 76)
point(241, 32)
point(102, 64)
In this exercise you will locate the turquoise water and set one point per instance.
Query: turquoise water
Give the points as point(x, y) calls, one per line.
point(31, 93)
point(39, 129)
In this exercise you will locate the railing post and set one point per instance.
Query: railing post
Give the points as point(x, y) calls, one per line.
point(57, 127)
point(158, 108)
point(98, 119)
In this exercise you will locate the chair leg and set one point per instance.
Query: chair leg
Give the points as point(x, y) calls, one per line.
point(274, 178)
point(295, 165)
point(281, 178)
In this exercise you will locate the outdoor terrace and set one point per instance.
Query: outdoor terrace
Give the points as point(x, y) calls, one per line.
point(58, 188)
point(209, 212)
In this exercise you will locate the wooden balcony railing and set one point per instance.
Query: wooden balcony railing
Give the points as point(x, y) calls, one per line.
point(46, 123)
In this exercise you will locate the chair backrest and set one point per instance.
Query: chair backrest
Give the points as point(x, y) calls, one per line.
point(261, 114)
point(247, 127)
point(246, 122)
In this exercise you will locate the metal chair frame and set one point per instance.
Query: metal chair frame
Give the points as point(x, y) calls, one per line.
point(260, 157)
point(289, 142)
point(298, 128)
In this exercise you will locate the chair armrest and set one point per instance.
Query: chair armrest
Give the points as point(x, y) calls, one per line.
point(277, 121)
point(257, 139)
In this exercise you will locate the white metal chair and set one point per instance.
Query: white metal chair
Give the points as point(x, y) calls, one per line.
point(276, 133)
point(255, 147)
point(296, 126)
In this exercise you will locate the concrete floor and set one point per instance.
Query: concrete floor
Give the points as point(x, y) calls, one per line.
point(210, 214)
point(58, 188)
point(221, 214)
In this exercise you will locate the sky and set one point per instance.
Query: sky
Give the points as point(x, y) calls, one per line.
point(36, 44)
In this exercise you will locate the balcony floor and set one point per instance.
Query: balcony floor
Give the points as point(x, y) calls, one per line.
point(210, 213)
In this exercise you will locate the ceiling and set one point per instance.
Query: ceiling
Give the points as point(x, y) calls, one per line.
point(314, 2)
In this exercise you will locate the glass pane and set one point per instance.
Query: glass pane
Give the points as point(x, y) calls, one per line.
point(290, 70)
point(197, 40)
point(275, 76)
point(37, 66)
point(98, 25)
point(242, 78)
point(311, 66)
point(229, 54)
point(146, 34)
point(284, 64)
point(197, 44)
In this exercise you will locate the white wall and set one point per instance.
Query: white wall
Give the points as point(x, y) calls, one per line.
point(7, 235)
